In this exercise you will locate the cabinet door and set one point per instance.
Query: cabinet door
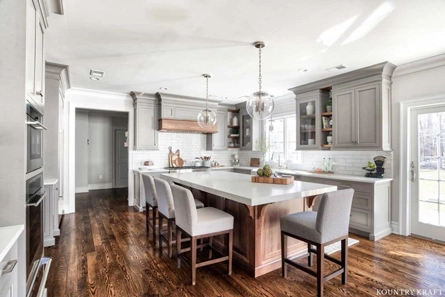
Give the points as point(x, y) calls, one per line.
point(146, 136)
point(39, 77)
point(217, 141)
point(308, 126)
point(367, 102)
point(35, 55)
point(344, 119)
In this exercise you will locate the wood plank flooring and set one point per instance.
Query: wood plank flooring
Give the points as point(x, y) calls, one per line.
point(103, 251)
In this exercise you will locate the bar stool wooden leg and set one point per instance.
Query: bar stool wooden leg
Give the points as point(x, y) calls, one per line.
point(160, 233)
point(320, 269)
point(230, 248)
point(170, 238)
point(283, 254)
point(154, 211)
point(193, 250)
point(344, 261)
point(178, 247)
point(310, 258)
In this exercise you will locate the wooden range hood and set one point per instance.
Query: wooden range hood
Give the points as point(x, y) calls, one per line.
point(174, 125)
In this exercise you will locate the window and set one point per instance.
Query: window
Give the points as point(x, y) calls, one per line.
point(282, 135)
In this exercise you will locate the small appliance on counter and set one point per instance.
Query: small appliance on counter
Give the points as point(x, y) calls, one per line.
point(376, 170)
point(235, 160)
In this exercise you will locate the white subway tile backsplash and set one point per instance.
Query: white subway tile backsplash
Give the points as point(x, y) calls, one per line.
point(190, 145)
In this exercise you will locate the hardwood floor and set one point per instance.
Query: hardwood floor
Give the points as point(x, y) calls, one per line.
point(103, 251)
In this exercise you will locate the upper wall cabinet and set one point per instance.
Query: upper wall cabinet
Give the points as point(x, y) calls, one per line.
point(251, 131)
point(218, 141)
point(361, 107)
point(309, 126)
point(146, 114)
point(36, 23)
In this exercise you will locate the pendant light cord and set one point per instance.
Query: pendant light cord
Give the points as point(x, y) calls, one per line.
point(259, 68)
point(207, 92)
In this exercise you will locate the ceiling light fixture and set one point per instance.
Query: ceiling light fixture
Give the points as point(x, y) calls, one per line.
point(163, 88)
point(207, 117)
point(96, 73)
point(260, 104)
point(94, 78)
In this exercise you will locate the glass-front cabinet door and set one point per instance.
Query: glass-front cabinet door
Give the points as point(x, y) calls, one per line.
point(246, 124)
point(307, 124)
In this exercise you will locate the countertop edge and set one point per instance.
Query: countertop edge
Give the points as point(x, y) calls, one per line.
point(8, 236)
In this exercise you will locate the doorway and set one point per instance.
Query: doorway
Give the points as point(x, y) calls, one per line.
point(427, 169)
point(120, 158)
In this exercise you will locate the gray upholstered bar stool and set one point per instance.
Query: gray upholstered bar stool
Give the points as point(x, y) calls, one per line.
point(151, 202)
point(166, 209)
point(198, 224)
point(318, 229)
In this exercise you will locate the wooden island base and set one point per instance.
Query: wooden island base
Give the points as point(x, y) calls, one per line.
point(256, 234)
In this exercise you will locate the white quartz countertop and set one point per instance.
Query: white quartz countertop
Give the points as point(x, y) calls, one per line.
point(238, 187)
point(50, 181)
point(8, 236)
point(336, 176)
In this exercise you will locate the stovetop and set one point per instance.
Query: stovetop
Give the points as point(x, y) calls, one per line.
point(187, 167)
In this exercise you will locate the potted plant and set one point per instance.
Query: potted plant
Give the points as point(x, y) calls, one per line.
point(263, 145)
point(329, 105)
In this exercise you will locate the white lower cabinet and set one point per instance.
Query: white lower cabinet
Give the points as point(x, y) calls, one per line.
point(9, 260)
point(51, 213)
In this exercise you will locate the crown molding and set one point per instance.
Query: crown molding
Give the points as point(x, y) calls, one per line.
point(420, 65)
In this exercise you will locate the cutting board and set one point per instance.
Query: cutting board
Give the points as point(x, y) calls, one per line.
point(273, 180)
point(254, 162)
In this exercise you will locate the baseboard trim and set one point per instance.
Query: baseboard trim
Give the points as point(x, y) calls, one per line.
point(100, 186)
point(395, 227)
point(81, 190)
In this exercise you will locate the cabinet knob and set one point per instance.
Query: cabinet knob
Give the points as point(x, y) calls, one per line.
point(40, 93)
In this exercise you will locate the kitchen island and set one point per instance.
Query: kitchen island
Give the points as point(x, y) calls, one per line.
point(256, 208)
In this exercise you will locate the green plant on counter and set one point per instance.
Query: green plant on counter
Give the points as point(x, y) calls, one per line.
point(263, 144)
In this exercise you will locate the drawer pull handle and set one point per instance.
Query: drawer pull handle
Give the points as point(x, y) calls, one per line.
point(11, 267)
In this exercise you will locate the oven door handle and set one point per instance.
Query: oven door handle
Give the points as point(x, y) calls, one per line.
point(38, 202)
point(47, 263)
point(37, 125)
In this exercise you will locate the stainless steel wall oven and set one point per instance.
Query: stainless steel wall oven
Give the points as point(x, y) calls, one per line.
point(35, 138)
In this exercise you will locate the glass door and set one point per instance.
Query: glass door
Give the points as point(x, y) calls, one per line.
point(428, 173)
point(307, 135)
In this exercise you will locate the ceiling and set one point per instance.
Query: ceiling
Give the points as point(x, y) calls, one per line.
point(144, 45)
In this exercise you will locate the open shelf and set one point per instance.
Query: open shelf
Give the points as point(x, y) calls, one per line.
point(327, 146)
point(231, 126)
point(326, 130)
point(327, 114)
point(311, 116)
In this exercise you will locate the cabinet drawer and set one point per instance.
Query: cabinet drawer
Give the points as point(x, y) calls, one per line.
point(362, 200)
point(360, 219)
point(358, 187)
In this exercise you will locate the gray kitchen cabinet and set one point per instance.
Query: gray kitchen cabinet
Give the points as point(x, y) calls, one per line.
point(361, 108)
point(371, 205)
point(218, 141)
point(35, 52)
point(251, 131)
point(357, 117)
point(309, 126)
point(361, 116)
point(146, 115)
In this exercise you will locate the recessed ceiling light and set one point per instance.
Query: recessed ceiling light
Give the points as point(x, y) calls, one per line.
point(163, 88)
point(94, 78)
point(97, 73)
point(302, 70)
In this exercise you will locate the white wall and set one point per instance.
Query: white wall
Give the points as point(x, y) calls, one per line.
point(81, 152)
point(413, 84)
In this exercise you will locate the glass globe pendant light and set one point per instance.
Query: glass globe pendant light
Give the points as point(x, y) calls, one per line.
point(207, 117)
point(260, 104)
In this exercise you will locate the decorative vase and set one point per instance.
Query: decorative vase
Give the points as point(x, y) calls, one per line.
point(329, 108)
point(329, 139)
point(309, 108)
point(235, 121)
